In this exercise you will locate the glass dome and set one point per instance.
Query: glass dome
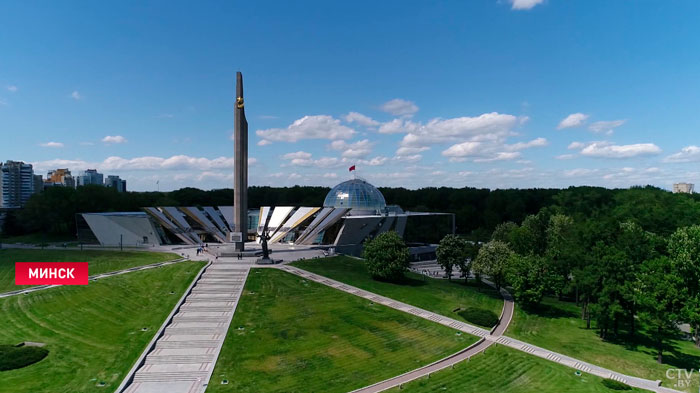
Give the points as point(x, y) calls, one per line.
point(355, 194)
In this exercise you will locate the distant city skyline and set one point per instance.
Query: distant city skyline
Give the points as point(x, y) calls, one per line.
point(495, 94)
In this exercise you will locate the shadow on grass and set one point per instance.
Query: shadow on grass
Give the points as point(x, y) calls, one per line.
point(405, 280)
point(479, 316)
point(549, 311)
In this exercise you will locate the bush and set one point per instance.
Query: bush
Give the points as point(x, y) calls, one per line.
point(615, 385)
point(386, 256)
point(17, 357)
point(479, 316)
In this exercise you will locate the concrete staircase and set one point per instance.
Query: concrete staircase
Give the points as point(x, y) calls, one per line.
point(184, 356)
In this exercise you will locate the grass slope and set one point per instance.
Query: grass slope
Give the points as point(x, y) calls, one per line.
point(98, 261)
point(557, 326)
point(506, 370)
point(440, 296)
point(293, 335)
point(93, 333)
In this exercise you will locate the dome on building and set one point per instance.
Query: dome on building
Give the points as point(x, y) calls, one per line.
point(356, 194)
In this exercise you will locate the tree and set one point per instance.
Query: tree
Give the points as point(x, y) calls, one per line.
point(561, 250)
point(504, 232)
point(529, 276)
point(661, 296)
point(684, 250)
point(637, 246)
point(386, 256)
point(453, 251)
point(493, 261)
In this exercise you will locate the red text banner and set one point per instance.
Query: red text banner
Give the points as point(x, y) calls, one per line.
point(51, 273)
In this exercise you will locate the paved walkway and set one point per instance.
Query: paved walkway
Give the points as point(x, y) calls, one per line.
point(183, 357)
point(486, 339)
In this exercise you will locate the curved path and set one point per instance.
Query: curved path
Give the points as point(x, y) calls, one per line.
point(486, 339)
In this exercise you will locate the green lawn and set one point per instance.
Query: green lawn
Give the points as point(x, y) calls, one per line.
point(294, 335)
point(94, 333)
point(98, 261)
point(440, 296)
point(505, 370)
point(557, 326)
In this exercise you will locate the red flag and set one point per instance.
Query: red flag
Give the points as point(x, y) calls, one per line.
point(352, 168)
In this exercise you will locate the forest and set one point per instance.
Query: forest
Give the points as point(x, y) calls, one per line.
point(477, 211)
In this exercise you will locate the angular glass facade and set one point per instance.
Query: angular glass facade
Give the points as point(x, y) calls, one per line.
point(355, 194)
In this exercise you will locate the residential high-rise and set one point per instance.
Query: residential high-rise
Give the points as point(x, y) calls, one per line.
point(91, 176)
point(685, 188)
point(38, 183)
point(17, 184)
point(116, 183)
point(60, 177)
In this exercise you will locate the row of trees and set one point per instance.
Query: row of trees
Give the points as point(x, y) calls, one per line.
point(477, 211)
point(619, 276)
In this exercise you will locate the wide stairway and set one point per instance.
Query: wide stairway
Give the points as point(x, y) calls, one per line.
point(183, 358)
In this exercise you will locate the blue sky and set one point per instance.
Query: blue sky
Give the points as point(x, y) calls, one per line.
point(487, 93)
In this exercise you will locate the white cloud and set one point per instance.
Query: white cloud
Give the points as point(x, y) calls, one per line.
point(500, 156)
point(461, 151)
point(52, 144)
point(146, 163)
point(604, 149)
point(308, 127)
point(402, 151)
point(576, 145)
point(263, 142)
point(524, 4)
point(487, 151)
point(304, 159)
point(330, 175)
point(493, 127)
point(376, 161)
point(295, 155)
point(565, 157)
point(3, 102)
point(359, 118)
point(407, 158)
point(109, 139)
point(687, 154)
point(399, 107)
point(353, 150)
point(398, 126)
point(539, 142)
point(75, 95)
point(573, 120)
point(606, 126)
point(12, 89)
point(579, 172)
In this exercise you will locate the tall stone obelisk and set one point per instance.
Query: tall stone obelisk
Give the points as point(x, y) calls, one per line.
point(240, 169)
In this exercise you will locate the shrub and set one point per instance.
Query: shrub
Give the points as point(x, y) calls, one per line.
point(12, 357)
point(615, 385)
point(479, 316)
point(386, 256)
